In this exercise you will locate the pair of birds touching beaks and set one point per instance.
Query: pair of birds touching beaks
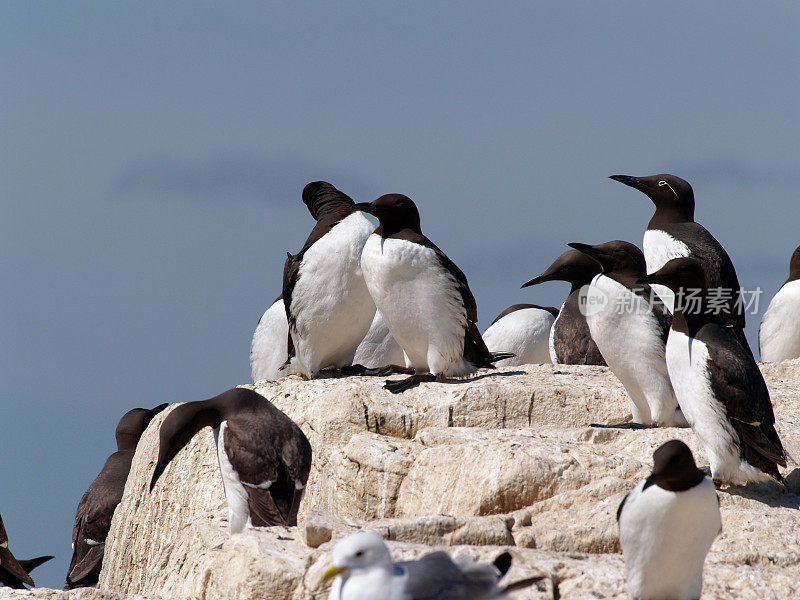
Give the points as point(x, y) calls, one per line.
point(348, 269)
point(667, 525)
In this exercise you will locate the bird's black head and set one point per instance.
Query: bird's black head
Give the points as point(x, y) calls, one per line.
point(395, 213)
point(794, 265)
point(132, 425)
point(622, 258)
point(674, 468)
point(679, 274)
point(321, 197)
point(573, 266)
point(672, 195)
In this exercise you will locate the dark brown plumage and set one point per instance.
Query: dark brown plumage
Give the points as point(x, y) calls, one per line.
point(96, 508)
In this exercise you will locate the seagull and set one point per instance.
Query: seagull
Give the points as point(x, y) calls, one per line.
point(363, 570)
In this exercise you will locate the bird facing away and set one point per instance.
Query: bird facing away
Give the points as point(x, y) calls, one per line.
point(268, 351)
point(15, 573)
point(570, 341)
point(673, 233)
point(264, 457)
point(363, 568)
point(718, 384)
point(423, 296)
point(779, 334)
point(631, 332)
point(96, 507)
point(328, 306)
point(667, 524)
point(523, 329)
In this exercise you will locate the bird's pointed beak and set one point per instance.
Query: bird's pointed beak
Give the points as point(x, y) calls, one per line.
point(587, 249)
point(158, 409)
point(628, 180)
point(331, 573)
point(366, 207)
point(536, 280)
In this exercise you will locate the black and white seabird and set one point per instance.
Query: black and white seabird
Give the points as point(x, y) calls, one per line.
point(631, 332)
point(423, 296)
point(673, 233)
point(363, 570)
point(15, 573)
point(570, 341)
point(268, 351)
point(264, 457)
point(718, 384)
point(667, 524)
point(328, 306)
point(779, 334)
point(93, 517)
point(523, 329)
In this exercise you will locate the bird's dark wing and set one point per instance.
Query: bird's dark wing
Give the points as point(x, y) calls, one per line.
point(256, 466)
point(87, 571)
point(93, 519)
point(436, 577)
point(572, 338)
point(737, 382)
point(291, 273)
point(11, 572)
point(717, 266)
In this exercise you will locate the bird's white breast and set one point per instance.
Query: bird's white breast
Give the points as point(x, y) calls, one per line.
point(333, 307)
point(369, 584)
point(665, 537)
point(235, 494)
point(779, 335)
point(268, 350)
point(687, 362)
point(419, 301)
point(659, 248)
point(525, 332)
point(628, 336)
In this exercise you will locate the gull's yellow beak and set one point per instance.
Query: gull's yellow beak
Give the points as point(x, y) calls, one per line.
point(331, 573)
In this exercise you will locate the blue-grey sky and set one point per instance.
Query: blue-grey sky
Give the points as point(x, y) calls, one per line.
point(153, 156)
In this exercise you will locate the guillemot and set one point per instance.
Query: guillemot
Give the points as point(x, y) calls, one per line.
point(423, 296)
point(264, 457)
point(718, 385)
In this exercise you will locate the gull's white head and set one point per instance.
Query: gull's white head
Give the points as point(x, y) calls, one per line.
point(361, 550)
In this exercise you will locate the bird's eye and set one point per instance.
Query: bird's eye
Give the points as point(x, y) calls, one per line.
point(360, 553)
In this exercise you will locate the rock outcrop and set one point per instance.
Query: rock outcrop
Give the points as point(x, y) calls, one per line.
point(505, 459)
